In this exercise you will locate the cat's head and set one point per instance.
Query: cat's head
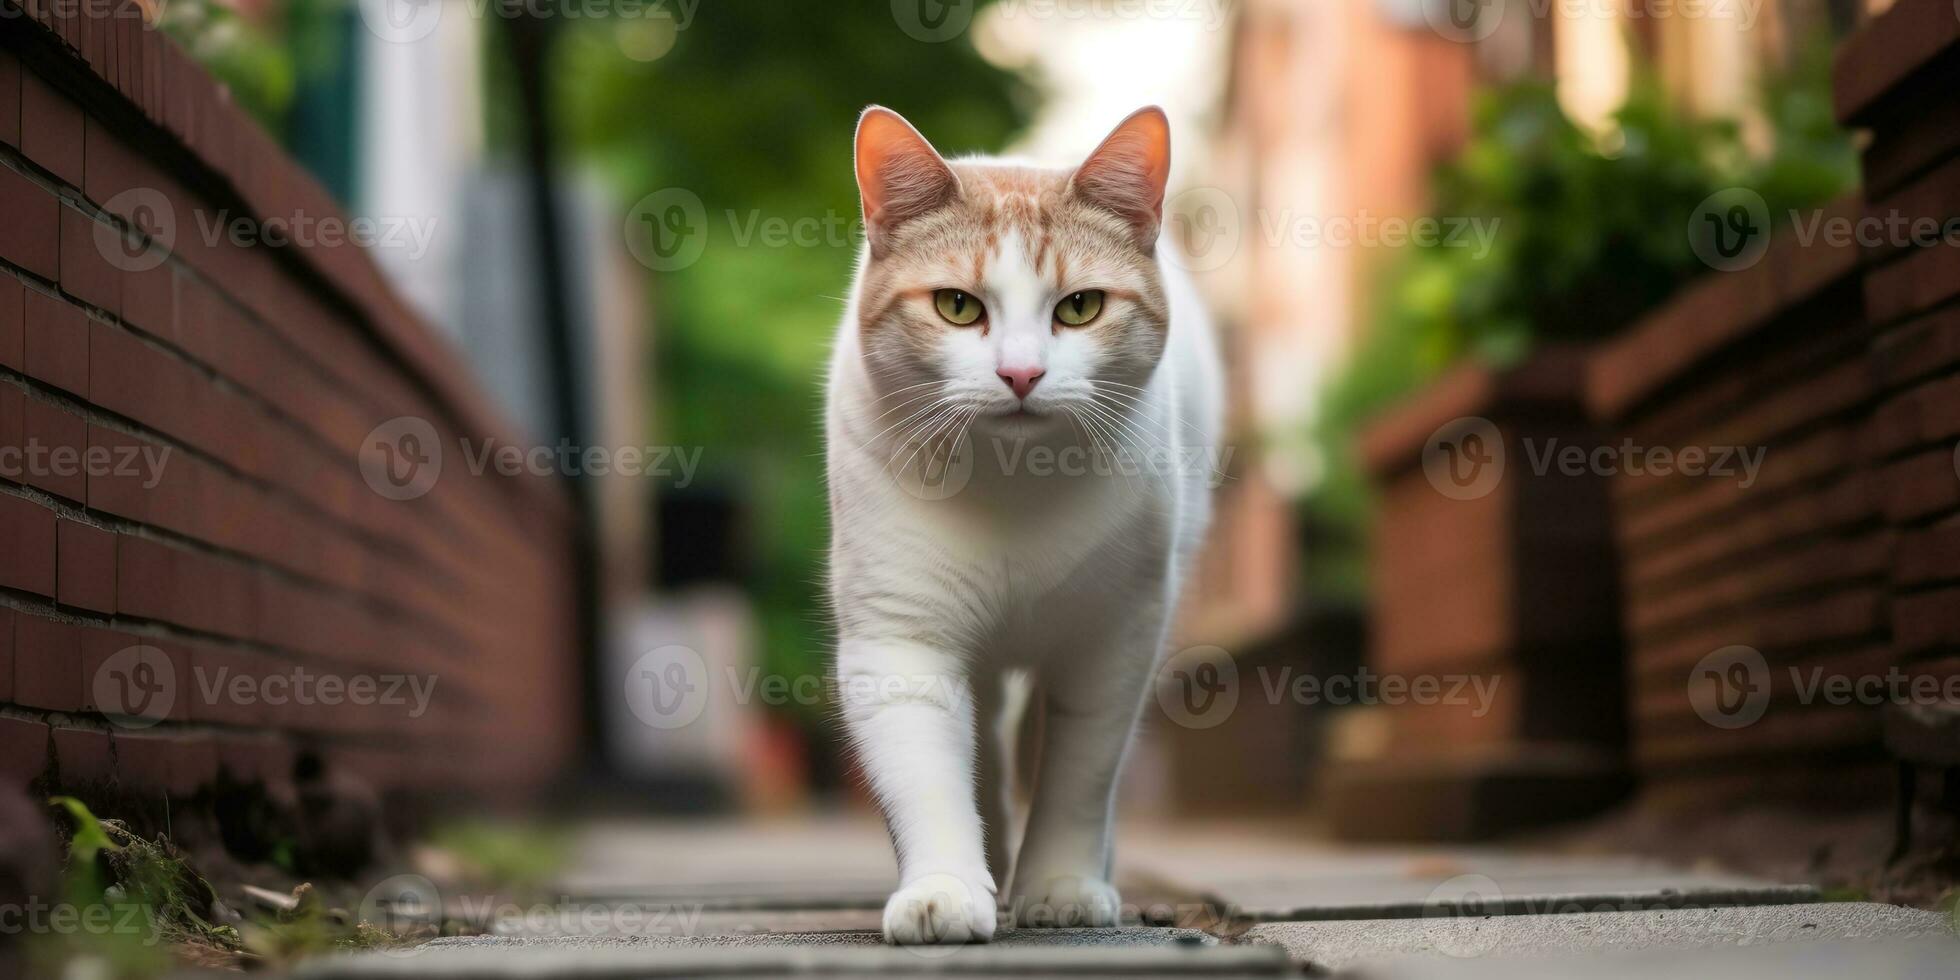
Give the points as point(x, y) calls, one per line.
point(1019, 294)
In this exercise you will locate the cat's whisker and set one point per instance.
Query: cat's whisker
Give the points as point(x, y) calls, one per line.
point(939, 421)
point(1140, 403)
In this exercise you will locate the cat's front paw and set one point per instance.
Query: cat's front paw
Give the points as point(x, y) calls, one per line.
point(940, 909)
point(1068, 901)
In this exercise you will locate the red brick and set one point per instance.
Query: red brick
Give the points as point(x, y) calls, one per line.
point(1919, 486)
point(118, 492)
point(193, 763)
point(50, 129)
point(149, 300)
point(86, 566)
point(136, 379)
point(23, 750)
point(83, 756)
point(27, 546)
point(1926, 621)
point(9, 100)
point(48, 658)
point(146, 577)
point(142, 761)
point(56, 342)
point(256, 759)
point(6, 654)
point(87, 270)
point(1928, 555)
point(13, 431)
point(13, 329)
point(31, 235)
point(57, 441)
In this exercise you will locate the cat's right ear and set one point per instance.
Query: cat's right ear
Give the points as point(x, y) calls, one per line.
point(899, 175)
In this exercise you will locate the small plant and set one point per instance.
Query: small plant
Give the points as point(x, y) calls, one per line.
point(1591, 233)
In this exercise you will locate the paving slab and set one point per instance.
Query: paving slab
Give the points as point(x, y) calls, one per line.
point(1919, 959)
point(1449, 940)
point(1058, 952)
point(832, 863)
point(1269, 876)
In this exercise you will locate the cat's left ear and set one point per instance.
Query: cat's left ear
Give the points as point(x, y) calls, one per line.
point(1127, 173)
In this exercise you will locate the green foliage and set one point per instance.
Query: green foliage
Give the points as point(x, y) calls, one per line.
point(506, 854)
point(127, 899)
point(752, 110)
point(252, 60)
point(1590, 234)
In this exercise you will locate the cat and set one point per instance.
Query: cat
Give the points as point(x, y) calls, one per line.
point(1019, 372)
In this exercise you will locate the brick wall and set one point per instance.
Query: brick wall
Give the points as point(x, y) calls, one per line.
point(1841, 361)
point(248, 550)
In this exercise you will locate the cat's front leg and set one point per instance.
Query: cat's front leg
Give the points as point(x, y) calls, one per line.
point(910, 711)
point(1062, 876)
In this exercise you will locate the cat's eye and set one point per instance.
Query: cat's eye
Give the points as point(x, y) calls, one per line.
point(958, 307)
point(1076, 309)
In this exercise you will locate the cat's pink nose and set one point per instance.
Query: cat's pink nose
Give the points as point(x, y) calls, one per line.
point(1021, 379)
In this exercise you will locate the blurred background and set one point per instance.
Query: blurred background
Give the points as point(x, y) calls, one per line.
point(706, 226)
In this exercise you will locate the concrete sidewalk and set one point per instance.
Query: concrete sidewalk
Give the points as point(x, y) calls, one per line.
point(1216, 900)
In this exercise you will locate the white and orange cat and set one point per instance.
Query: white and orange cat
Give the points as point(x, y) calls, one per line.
point(1008, 319)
